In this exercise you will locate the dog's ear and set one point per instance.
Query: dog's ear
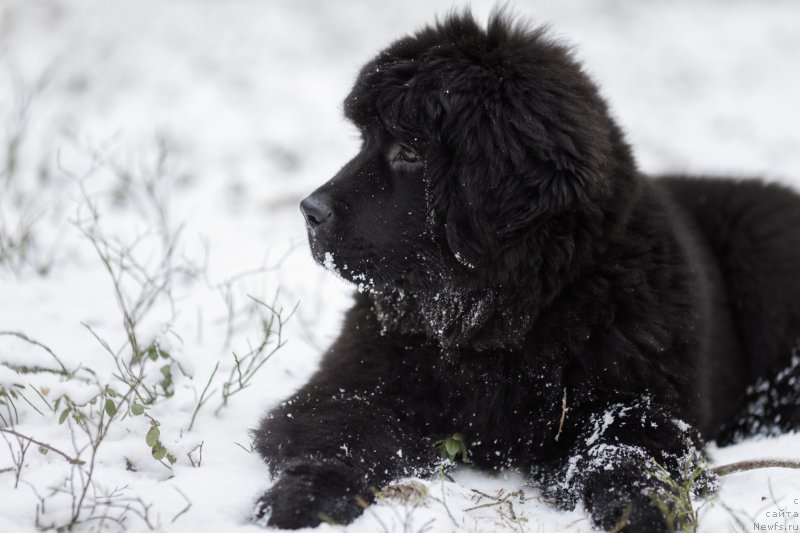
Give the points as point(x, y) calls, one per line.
point(517, 151)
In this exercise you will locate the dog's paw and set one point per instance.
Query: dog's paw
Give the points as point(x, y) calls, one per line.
point(621, 499)
point(306, 495)
point(632, 515)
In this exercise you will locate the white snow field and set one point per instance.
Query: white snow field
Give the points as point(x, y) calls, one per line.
point(153, 155)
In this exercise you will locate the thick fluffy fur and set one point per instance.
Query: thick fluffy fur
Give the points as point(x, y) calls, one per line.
point(510, 255)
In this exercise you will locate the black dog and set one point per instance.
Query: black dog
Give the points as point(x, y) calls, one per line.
point(511, 261)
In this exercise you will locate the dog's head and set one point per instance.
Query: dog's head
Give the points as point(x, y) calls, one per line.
point(486, 153)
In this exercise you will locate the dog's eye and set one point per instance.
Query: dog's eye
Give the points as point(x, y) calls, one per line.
point(407, 154)
point(400, 153)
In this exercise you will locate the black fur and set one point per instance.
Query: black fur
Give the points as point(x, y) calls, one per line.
point(510, 255)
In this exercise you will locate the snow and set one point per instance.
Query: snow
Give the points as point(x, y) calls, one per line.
point(138, 119)
point(328, 262)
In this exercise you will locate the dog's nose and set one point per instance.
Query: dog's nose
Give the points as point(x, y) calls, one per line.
point(316, 208)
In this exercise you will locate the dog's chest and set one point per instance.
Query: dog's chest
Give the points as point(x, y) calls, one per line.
point(501, 403)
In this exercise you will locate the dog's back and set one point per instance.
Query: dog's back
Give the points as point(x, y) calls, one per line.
point(752, 230)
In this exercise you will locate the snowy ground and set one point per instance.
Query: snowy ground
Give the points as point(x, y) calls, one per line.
point(154, 156)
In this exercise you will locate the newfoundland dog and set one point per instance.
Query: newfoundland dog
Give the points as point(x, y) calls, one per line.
point(522, 284)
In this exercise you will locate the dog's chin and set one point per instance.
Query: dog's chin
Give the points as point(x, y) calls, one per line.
point(348, 268)
point(316, 251)
point(364, 276)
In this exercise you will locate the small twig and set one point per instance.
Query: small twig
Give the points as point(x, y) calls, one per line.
point(444, 502)
point(248, 450)
point(185, 509)
point(249, 364)
point(483, 506)
point(25, 398)
point(20, 460)
point(497, 500)
point(199, 450)
point(203, 399)
point(754, 464)
point(29, 340)
point(22, 369)
point(563, 414)
point(70, 460)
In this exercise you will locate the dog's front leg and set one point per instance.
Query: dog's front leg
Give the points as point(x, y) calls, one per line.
point(619, 463)
point(350, 430)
